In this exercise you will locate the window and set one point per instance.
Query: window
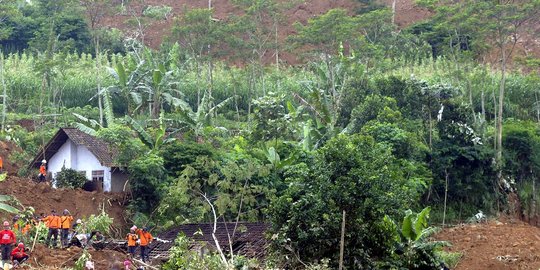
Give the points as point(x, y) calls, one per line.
point(97, 177)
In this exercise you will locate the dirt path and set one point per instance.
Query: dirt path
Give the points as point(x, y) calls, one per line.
point(495, 245)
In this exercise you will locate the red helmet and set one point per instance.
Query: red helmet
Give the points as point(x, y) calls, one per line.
point(20, 245)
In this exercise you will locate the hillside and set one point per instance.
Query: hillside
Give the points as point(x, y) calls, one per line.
point(295, 11)
point(79, 202)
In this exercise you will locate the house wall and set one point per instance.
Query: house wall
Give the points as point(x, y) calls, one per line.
point(79, 158)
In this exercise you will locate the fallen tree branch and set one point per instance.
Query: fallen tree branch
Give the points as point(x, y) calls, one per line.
point(223, 258)
point(145, 264)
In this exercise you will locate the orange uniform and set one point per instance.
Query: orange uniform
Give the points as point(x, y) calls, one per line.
point(53, 222)
point(66, 221)
point(145, 237)
point(42, 170)
point(132, 239)
point(26, 228)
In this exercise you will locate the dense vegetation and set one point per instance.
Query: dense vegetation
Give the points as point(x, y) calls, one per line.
point(375, 122)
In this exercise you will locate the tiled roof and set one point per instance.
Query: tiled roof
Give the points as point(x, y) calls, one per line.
point(100, 149)
point(248, 240)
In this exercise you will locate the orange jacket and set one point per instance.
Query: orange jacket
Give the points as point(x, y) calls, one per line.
point(26, 228)
point(42, 170)
point(66, 221)
point(53, 222)
point(145, 237)
point(132, 239)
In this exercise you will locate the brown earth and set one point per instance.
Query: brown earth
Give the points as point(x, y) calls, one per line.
point(80, 203)
point(45, 258)
point(495, 245)
point(6, 148)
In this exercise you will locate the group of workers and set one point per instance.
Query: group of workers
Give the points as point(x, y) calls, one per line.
point(139, 237)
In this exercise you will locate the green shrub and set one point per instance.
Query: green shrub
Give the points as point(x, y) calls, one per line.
point(182, 257)
point(69, 178)
point(101, 222)
point(157, 12)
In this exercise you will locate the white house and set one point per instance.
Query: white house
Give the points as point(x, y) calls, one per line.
point(72, 148)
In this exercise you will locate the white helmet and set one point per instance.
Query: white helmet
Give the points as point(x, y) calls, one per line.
point(44, 161)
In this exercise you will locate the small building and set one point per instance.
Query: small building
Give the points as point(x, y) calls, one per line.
point(74, 149)
point(246, 238)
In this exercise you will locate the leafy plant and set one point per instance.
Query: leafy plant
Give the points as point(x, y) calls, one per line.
point(101, 222)
point(69, 178)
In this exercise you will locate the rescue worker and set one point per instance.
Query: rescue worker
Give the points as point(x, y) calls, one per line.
point(18, 255)
point(65, 224)
point(42, 171)
point(53, 221)
point(132, 239)
point(97, 240)
point(145, 238)
point(1, 165)
point(16, 225)
point(7, 239)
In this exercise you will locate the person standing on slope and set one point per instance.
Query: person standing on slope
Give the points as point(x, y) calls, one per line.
point(65, 224)
point(42, 171)
point(53, 222)
point(7, 239)
point(145, 239)
point(132, 241)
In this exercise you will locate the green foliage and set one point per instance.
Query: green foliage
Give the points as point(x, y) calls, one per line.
point(326, 32)
point(183, 257)
point(69, 178)
point(146, 175)
point(9, 204)
point(101, 222)
point(414, 249)
point(272, 120)
point(351, 173)
point(157, 12)
point(81, 261)
point(178, 155)
point(239, 186)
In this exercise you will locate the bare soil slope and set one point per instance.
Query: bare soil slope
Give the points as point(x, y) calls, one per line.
point(495, 245)
point(80, 203)
point(45, 258)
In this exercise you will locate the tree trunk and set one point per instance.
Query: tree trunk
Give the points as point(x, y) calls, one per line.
point(342, 242)
point(4, 96)
point(445, 196)
point(500, 111)
point(98, 79)
point(393, 11)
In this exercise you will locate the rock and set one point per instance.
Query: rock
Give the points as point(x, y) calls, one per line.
point(498, 223)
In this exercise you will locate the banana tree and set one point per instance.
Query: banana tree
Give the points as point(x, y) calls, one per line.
point(156, 141)
point(6, 203)
point(128, 79)
point(196, 121)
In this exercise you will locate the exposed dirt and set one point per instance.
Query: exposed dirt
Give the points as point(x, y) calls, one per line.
point(45, 258)
point(6, 148)
point(495, 245)
point(156, 31)
point(80, 203)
